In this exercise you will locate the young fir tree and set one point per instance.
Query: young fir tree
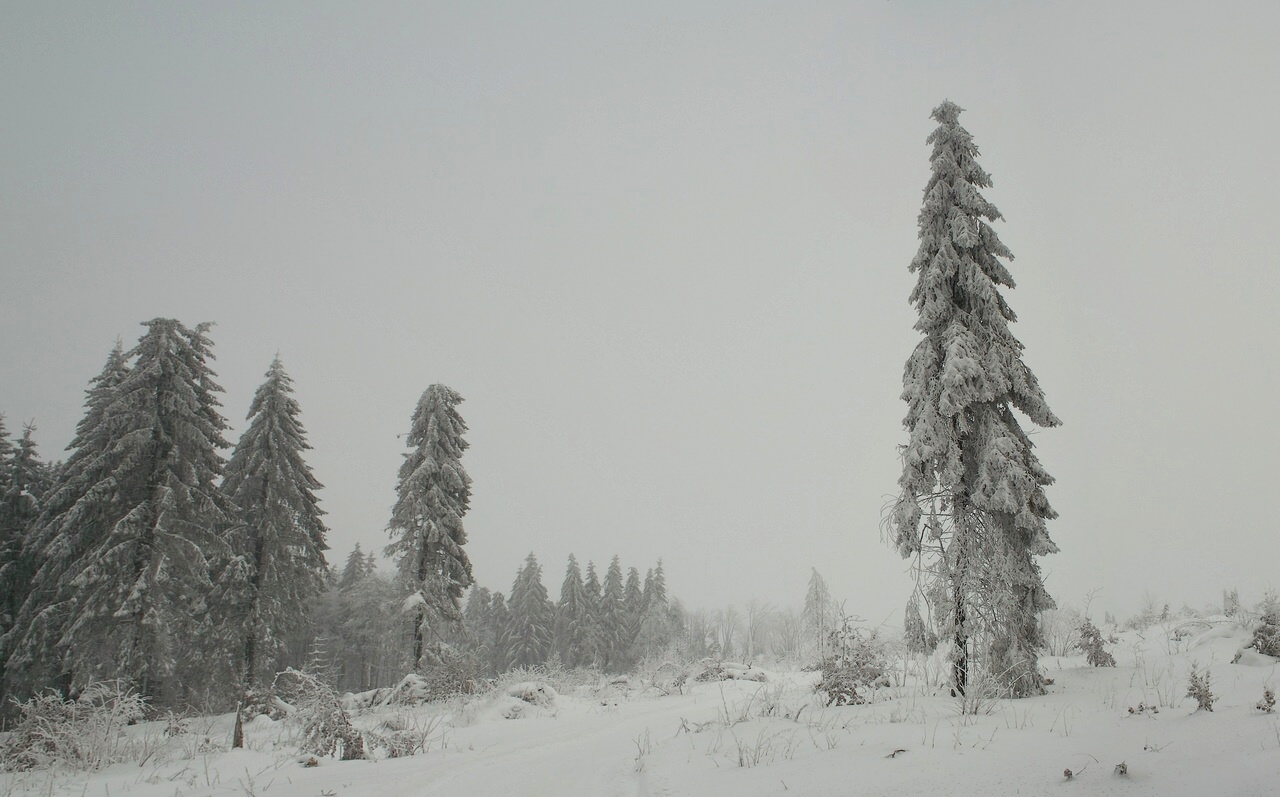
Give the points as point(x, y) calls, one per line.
point(151, 511)
point(527, 640)
point(972, 507)
point(432, 496)
point(278, 566)
point(572, 625)
point(70, 522)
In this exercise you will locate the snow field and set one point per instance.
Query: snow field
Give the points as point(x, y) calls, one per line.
point(742, 737)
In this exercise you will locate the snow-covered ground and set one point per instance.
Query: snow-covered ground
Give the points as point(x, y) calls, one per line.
point(745, 738)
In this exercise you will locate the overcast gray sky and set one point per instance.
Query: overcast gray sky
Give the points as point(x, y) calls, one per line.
point(661, 249)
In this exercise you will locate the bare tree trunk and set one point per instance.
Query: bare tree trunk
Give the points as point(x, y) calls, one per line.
point(250, 659)
point(960, 664)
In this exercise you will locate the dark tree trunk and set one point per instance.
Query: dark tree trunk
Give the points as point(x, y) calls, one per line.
point(250, 659)
point(960, 664)
point(237, 736)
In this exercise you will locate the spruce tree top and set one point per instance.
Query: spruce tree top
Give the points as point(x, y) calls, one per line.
point(267, 470)
point(967, 371)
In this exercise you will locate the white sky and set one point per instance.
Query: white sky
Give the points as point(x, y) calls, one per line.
point(662, 249)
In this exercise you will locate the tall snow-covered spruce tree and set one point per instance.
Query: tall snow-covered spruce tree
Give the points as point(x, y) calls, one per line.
point(972, 507)
point(277, 565)
point(432, 495)
point(134, 521)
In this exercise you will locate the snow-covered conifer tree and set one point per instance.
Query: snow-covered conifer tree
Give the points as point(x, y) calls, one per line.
point(499, 621)
point(657, 628)
point(366, 632)
point(354, 569)
point(481, 637)
point(527, 641)
point(573, 618)
point(972, 507)
point(595, 633)
point(35, 658)
point(432, 496)
point(140, 513)
point(612, 619)
point(24, 480)
point(278, 566)
point(819, 613)
point(632, 611)
point(915, 634)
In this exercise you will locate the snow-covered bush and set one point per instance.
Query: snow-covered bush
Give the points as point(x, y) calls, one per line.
point(257, 702)
point(1266, 636)
point(857, 664)
point(1231, 602)
point(668, 675)
point(404, 734)
point(565, 680)
point(1199, 687)
point(1091, 642)
point(84, 733)
point(535, 693)
point(1267, 704)
point(456, 673)
point(324, 727)
point(1151, 613)
point(715, 670)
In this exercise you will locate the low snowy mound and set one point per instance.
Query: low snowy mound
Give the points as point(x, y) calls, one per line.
point(730, 671)
point(412, 690)
point(1252, 658)
point(535, 693)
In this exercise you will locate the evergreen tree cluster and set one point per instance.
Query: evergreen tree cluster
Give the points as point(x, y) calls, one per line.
point(610, 625)
point(361, 641)
point(148, 557)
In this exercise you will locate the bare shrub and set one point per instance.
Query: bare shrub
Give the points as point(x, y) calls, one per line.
point(1061, 631)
